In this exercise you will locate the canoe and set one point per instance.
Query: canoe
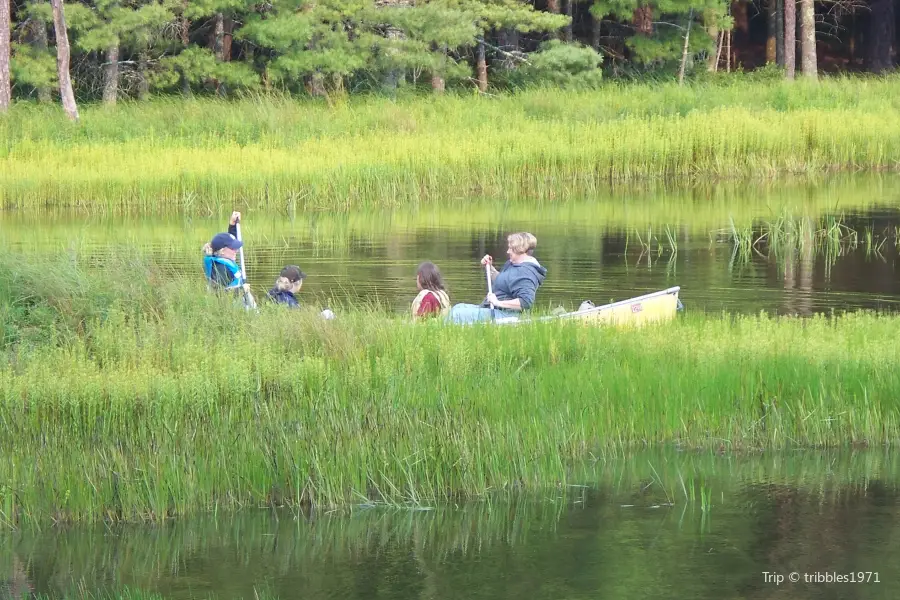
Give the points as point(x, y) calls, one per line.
point(634, 312)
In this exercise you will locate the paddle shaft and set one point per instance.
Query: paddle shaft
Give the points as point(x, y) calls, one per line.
point(248, 298)
point(487, 273)
point(237, 226)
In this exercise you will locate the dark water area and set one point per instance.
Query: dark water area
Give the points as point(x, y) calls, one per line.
point(660, 527)
point(599, 249)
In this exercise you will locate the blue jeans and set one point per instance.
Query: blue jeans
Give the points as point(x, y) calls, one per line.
point(473, 313)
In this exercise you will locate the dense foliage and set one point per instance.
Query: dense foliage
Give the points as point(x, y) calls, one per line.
point(129, 48)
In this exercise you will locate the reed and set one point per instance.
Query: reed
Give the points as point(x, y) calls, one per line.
point(129, 394)
point(787, 236)
point(278, 153)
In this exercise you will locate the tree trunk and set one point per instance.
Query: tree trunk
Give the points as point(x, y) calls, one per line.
point(396, 75)
point(39, 31)
point(481, 67)
point(712, 30)
point(111, 75)
point(185, 35)
point(790, 38)
point(808, 39)
point(642, 19)
point(727, 38)
point(143, 82)
point(185, 25)
point(315, 85)
point(779, 32)
point(595, 32)
point(437, 79)
point(62, 60)
point(570, 12)
point(218, 44)
point(508, 40)
point(741, 17)
point(554, 8)
point(227, 35)
point(771, 31)
point(880, 38)
point(741, 28)
point(5, 80)
point(218, 36)
point(684, 51)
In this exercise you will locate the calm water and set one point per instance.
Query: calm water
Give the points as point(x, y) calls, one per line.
point(636, 536)
point(636, 531)
point(594, 249)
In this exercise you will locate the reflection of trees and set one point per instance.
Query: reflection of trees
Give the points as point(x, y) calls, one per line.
point(799, 265)
point(824, 513)
point(14, 582)
point(839, 530)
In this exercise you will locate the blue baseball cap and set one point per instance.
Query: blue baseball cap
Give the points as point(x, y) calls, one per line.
point(225, 240)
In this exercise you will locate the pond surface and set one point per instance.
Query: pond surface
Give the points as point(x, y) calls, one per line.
point(606, 248)
point(657, 525)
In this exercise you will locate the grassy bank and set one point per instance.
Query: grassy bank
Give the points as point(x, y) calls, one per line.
point(125, 394)
point(375, 153)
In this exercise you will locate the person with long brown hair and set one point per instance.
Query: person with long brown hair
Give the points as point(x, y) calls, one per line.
point(433, 299)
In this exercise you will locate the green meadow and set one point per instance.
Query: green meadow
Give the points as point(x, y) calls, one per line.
point(280, 153)
point(128, 394)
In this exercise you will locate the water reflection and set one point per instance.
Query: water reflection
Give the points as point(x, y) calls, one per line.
point(657, 525)
point(600, 249)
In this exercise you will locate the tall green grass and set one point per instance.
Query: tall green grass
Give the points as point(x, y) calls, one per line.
point(128, 395)
point(543, 144)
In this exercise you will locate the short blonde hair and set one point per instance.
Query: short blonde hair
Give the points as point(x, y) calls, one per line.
point(521, 243)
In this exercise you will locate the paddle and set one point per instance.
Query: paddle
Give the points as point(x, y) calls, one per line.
point(487, 273)
point(249, 302)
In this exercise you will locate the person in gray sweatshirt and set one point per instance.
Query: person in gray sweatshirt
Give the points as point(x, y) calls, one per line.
point(514, 286)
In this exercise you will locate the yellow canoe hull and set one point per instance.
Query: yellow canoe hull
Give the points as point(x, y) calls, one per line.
point(650, 308)
point(634, 312)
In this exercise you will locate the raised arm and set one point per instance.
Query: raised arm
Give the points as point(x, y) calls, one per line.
point(232, 223)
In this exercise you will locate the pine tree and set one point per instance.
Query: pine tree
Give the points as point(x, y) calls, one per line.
point(107, 25)
point(651, 44)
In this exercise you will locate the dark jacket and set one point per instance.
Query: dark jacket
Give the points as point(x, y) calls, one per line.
point(519, 281)
point(283, 297)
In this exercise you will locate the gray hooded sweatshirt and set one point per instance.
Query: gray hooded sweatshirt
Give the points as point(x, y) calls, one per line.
point(519, 281)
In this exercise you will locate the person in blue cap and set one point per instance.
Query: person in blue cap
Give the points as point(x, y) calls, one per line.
point(222, 272)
